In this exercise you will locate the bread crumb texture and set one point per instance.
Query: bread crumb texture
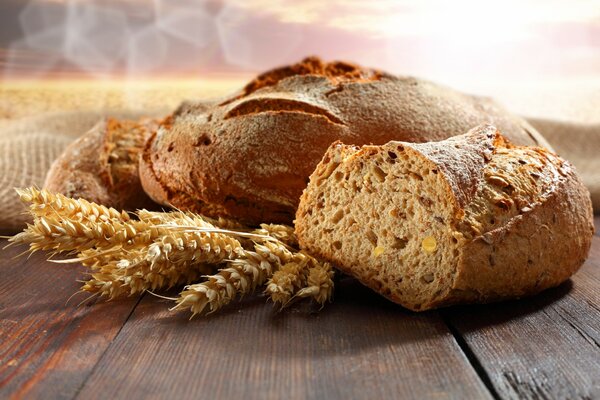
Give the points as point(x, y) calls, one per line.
point(472, 218)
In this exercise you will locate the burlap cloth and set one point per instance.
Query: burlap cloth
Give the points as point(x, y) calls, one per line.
point(29, 145)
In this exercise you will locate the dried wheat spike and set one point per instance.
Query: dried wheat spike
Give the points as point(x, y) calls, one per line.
point(177, 248)
point(118, 281)
point(44, 203)
point(170, 260)
point(241, 276)
point(133, 271)
point(319, 283)
point(186, 217)
point(303, 277)
point(53, 232)
point(283, 233)
point(286, 281)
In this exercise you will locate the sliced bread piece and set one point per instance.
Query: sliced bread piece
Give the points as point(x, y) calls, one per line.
point(469, 219)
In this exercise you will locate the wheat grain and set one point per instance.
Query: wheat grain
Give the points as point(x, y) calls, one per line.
point(283, 233)
point(52, 232)
point(285, 282)
point(160, 250)
point(304, 277)
point(241, 276)
point(44, 203)
point(319, 283)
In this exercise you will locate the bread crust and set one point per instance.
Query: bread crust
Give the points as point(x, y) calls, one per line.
point(522, 218)
point(251, 155)
point(102, 165)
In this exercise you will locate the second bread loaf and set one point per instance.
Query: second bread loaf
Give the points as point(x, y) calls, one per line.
point(102, 165)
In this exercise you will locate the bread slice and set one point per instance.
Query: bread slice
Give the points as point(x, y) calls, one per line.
point(469, 219)
point(102, 165)
point(250, 156)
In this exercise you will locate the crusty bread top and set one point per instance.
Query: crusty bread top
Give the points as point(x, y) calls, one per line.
point(336, 72)
point(251, 155)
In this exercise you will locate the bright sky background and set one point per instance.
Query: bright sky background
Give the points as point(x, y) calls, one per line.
point(450, 41)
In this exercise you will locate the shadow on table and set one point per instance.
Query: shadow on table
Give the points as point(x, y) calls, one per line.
point(357, 320)
point(475, 317)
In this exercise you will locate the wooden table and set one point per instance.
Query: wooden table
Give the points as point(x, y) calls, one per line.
point(360, 346)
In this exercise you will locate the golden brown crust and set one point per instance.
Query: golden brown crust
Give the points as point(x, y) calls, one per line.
point(516, 220)
point(541, 245)
point(250, 156)
point(102, 165)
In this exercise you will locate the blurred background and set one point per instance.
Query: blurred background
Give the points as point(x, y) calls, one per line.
point(136, 54)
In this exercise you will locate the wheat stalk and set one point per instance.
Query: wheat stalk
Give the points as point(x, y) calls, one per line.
point(54, 232)
point(44, 203)
point(286, 281)
point(283, 233)
point(319, 284)
point(161, 250)
point(306, 277)
point(241, 276)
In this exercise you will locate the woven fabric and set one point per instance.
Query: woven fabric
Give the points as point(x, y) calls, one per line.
point(29, 146)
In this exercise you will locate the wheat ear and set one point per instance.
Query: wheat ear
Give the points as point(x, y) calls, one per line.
point(44, 203)
point(117, 279)
point(306, 277)
point(319, 284)
point(54, 232)
point(283, 233)
point(178, 217)
point(240, 277)
point(176, 257)
point(286, 282)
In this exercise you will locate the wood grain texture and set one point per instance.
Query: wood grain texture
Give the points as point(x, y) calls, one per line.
point(597, 224)
point(48, 347)
point(361, 346)
point(547, 346)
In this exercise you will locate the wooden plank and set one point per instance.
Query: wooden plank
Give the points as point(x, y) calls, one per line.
point(360, 346)
point(597, 224)
point(48, 347)
point(546, 346)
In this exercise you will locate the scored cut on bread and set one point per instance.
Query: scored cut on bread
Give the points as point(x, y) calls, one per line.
point(472, 218)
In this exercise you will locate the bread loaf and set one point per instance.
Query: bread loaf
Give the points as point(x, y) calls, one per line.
point(472, 218)
point(102, 165)
point(250, 156)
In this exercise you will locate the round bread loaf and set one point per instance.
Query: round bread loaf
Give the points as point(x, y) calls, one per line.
point(469, 219)
point(102, 165)
point(250, 156)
